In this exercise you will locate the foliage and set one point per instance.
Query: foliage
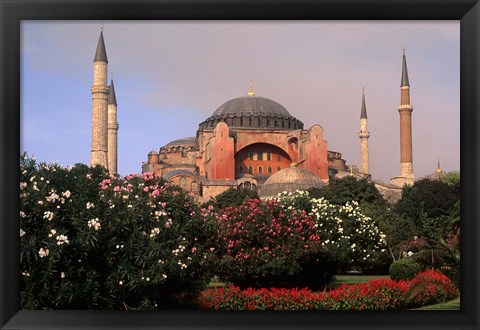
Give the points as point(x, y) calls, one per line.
point(90, 241)
point(231, 197)
point(348, 189)
point(351, 239)
point(433, 197)
point(260, 243)
point(429, 287)
point(451, 178)
point(397, 229)
point(404, 269)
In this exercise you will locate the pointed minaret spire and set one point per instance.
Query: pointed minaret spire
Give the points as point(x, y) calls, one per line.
point(364, 134)
point(112, 99)
point(100, 95)
point(405, 81)
point(101, 53)
point(250, 90)
point(363, 113)
point(405, 110)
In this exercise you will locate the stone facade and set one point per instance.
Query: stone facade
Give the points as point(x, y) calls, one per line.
point(242, 144)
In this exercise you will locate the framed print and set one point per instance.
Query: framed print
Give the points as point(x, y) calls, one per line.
point(265, 98)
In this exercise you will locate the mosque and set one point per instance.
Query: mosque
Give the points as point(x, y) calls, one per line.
point(249, 142)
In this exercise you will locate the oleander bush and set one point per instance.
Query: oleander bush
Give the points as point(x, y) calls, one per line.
point(261, 244)
point(429, 287)
point(404, 269)
point(91, 241)
point(293, 241)
point(351, 239)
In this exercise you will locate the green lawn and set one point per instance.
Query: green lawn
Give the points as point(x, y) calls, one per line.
point(354, 279)
point(449, 305)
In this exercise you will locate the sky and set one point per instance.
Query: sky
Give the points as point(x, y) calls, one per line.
point(169, 76)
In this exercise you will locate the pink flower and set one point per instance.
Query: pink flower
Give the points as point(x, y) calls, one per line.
point(146, 189)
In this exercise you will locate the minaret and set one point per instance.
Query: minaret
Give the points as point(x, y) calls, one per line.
point(112, 130)
point(364, 134)
point(100, 92)
point(405, 109)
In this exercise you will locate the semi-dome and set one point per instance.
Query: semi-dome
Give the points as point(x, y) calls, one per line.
point(254, 112)
point(289, 179)
point(189, 141)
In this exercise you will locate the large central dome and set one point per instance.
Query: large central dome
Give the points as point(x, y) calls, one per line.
point(251, 105)
point(252, 112)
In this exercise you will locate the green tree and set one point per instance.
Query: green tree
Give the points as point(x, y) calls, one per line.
point(348, 189)
point(434, 197)
point(231, 197)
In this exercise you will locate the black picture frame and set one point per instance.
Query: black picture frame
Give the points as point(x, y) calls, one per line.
point(13, 11)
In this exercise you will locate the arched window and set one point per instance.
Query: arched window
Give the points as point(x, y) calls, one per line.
point(250, 169)
point(260, 169)
point(241, 186)
point(248, 185)
point(183, 183)
point(269, 169)
point(260, 155)
point(240, 169)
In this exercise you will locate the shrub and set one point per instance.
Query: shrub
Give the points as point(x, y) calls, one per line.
point(404, 269)
point(90, 241)
point(350, 238)
point(431, 287)
point(262, 244)
point(231, 197)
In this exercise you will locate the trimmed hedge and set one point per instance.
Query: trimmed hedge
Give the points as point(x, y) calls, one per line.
point(429, 287)
point(404, 269)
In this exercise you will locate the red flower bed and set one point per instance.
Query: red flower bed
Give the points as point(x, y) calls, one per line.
point(428, 287)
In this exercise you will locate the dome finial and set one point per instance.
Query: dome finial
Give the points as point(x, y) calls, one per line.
point(438, 170)
point(250, 90)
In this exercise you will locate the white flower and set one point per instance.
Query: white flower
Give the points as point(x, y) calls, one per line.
point(120, 282)
point(22, 214)
point(52, 232)
point(94, 223)
point(164, 275)
point(23, 185)
point(22, 232)
point(62, 274)
point(90, 205)
point(66, 194)
point(89, 175)
point(43, 252)
point(48, 215)
point(154, 232)
point(62, 239)
point(168, 223)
